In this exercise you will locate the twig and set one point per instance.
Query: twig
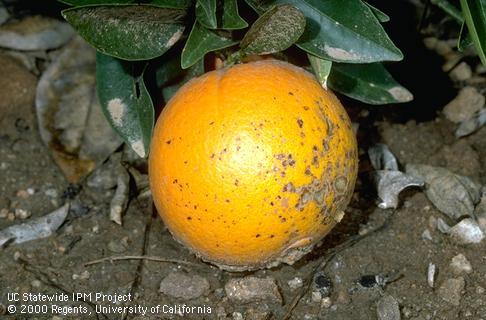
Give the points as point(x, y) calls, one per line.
point(328, 257)
point(147, 258)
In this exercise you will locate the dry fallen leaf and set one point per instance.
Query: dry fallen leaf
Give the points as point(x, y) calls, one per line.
point(452, 194)
point(70, 119)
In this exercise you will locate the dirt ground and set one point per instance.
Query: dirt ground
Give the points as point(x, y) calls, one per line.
point(372, 261)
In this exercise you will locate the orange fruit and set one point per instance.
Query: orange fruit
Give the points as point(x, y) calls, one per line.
point(252, 165)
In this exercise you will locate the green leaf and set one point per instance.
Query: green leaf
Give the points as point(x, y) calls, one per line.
point(321, 68)
point(170, 4)
point(125, 101)
point(342, 31)
point(206, 13)
point(380, 15)
point(450, 9)
point(475, 16)
point(276, 30)
point(130, 32)
point(200, 42)
point(369, 83)
point(464, 41)
point(231, 18)
point(170, 76)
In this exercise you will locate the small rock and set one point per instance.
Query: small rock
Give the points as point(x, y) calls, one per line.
point(182, 286)
point(461, 72)
point(22, 214)
point(460, 264)
point(326, 302)
point(117, 246)
point(3, 213)
point(252, 289)
point(35, 33)
point(480, 290)
point(316, 296)
point(256, 314)
point(451, 290)
point(83, 276)
point(36, 283)
point(295, 283)
point(465, 105)
point(323, 284)
point(467, 231)
point(387, 308)
point(11, 216)
point(237, 316)
point(431, 274)
point(426, 235)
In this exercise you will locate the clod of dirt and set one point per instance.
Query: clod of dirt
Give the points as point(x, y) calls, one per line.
point(182, 286)
point(35, 33)
point(465, 105)
point(459, 264)
point(461, 72)
point(253, 289)
point(453, 194)
point(387, 308)
point(451, 290)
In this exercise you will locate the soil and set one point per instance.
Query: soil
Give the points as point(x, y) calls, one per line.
point(368, 242)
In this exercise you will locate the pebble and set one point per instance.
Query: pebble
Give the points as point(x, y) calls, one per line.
point(451, 290)
point(252, 289)
point(431, 274)
point(3, 213)
point(295, 283)
point(182, 286)
point(35, 33)
point(117, 246)
point(323, 284)
point(480, 290)
point(426, 235)
point(11, 216)
point(326, 302)
point(460, 264)
point(316, 296)
point(461, 72)
point(464, 105)
point(237, 316)
point(36, 283)
point(22, 214)
point(387, 308)
point(255, 314)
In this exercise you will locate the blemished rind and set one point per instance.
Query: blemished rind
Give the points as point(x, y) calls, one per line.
point(252, 165)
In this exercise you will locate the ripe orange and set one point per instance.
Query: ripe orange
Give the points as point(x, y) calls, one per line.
point(252, 165)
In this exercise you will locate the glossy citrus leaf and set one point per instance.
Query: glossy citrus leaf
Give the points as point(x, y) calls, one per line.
point(464, 41)
point(127, 32)
point(171, 4)
point(450, 9)
point(369, 83)
point(321, 69)
point(125, 101)
point(201, 41)
point(206, 13)
point(342, 31)
point(231, 19)
point(380, 15)
point(276, 30)
point(475, 16)
point(170, 76)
